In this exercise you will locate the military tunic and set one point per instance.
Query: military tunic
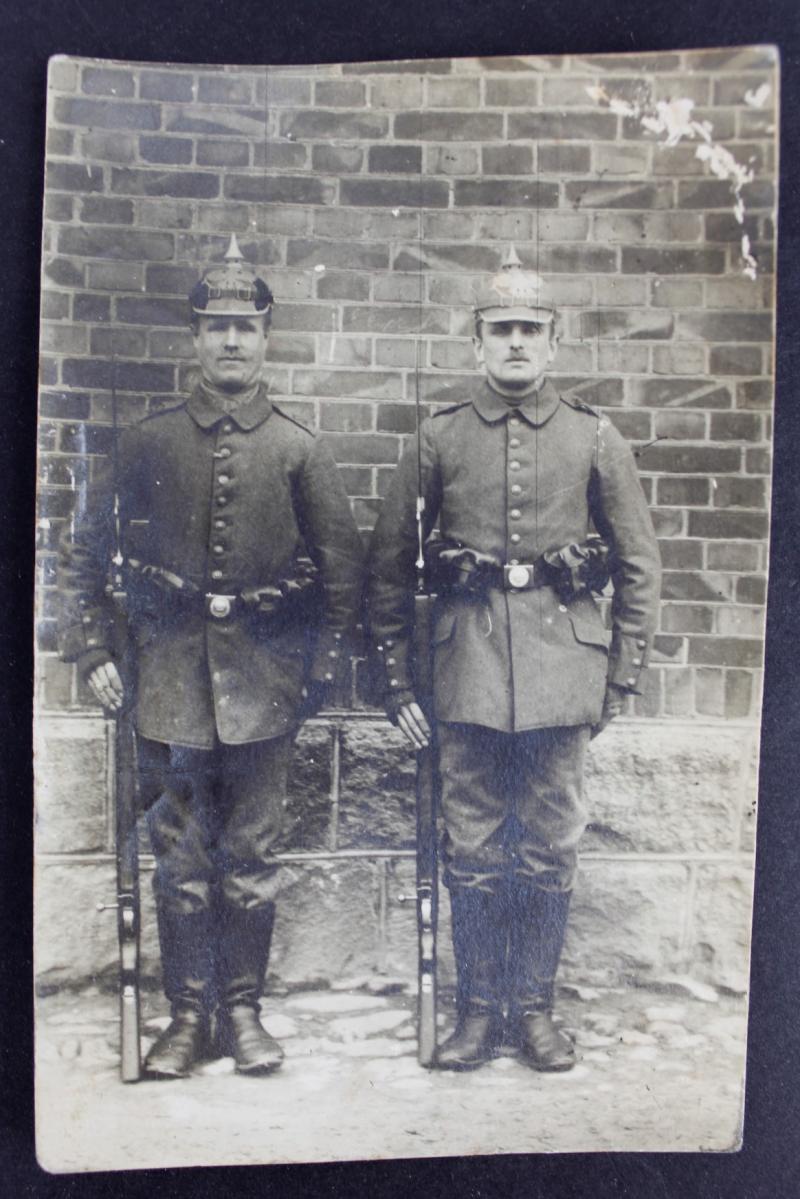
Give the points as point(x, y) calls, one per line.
point(225, 501)
point(513, 483)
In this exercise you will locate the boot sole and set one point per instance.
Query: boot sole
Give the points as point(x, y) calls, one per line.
point(541, 1068)
point(258, 1071)
point(164, 1075)
point(462, 1067)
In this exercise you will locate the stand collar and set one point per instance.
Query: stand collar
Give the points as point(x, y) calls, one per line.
point(247, 415)
point(536, 408)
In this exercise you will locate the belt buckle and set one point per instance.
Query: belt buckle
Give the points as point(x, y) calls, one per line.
point(219, 606)
point(518, 576)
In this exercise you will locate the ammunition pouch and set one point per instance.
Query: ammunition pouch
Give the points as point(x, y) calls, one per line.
point(577, 569)
point(157, 593)
point(454, 569)
point(572, 570)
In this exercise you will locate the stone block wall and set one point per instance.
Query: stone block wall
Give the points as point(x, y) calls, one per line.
point(664, 889)
point(372, 195)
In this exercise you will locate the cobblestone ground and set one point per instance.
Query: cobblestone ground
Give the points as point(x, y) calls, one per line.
point(657, 1071)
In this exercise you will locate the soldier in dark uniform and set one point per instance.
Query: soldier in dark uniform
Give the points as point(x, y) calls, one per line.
point(524, 668)
point(235, 524)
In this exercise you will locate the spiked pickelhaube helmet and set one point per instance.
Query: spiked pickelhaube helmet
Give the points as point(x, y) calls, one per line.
point(514, 294)
point(231, 288)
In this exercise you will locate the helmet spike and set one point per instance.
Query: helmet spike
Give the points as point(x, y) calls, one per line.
point(233, 253)
point(511, 259)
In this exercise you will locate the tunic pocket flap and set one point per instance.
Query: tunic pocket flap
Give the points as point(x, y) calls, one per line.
point(589, 632)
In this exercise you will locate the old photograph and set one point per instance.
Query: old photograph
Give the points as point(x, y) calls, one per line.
point(402, 551)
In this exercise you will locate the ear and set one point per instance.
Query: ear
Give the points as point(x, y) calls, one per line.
point(555, 338)
point(477, 343)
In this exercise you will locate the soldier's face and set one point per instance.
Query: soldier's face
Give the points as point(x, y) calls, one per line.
point(515, 354)
point(230, 350)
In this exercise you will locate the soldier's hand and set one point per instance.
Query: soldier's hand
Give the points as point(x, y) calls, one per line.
point(613, 703)
point(411, 720)
point(106, 686)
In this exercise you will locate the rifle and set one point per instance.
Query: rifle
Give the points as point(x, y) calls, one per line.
point(125, 806)
point(427, 784)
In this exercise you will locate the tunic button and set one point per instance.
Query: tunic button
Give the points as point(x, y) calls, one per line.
point(513, 465)
point(216, 574)
point(219, 549)
point(514, 442)
point(637, 661)
point(222, 500)
point(515, 538)
point(86, 619)
point(389, 643)
point(631, 682)
point(516, 489)
point(514, 421)
point(227, 427)
point(514, 562)
point(219, 524)
point(224, 452)
point(562, 607)
point(393, 683)
point(333, 653)
point(641, 644)
point(391, 661)
point(224, 479)
point(515, 514)
point(328, 677)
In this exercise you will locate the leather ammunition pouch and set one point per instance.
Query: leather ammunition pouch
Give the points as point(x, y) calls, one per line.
point(579, 567)
point(157, 593)
point(571, 570)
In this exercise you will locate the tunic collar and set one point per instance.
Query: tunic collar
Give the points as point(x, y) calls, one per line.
point(536, 408)
point(247, 416)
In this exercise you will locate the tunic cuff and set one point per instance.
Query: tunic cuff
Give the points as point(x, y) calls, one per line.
point(629, 654)
point(393, 657)
point(328, 655)
point(89, 633)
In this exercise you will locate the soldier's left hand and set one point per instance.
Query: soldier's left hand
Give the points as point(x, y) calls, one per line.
point(411, 721)
point(613, 703)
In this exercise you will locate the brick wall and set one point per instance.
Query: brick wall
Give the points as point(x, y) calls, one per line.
point(371, 195)
point(365, 189)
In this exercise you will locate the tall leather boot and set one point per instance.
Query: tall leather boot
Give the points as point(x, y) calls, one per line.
point(480, 929)
point(243, 943)
point(186, 966)
point(537, 937)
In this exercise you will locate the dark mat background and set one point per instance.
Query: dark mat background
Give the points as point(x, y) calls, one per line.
point(242, 31)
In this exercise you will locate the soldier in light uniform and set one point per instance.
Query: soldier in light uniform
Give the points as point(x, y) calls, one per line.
point(222, 495)
point(524, 668)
